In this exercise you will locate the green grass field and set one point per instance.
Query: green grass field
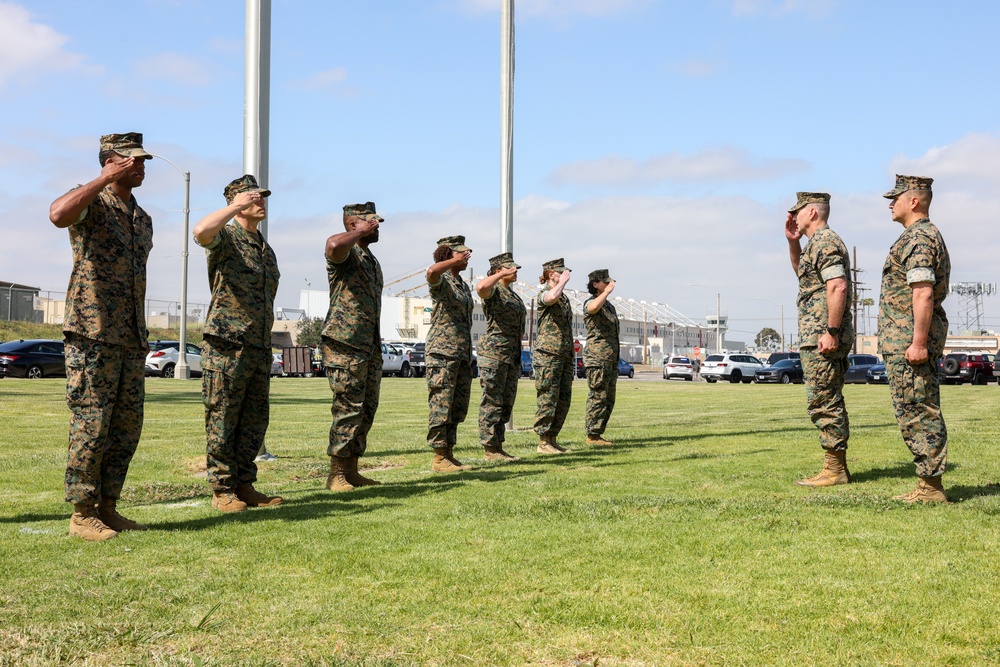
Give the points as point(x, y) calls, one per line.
point(685, 544)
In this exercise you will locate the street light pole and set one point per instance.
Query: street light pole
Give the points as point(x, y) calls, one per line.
point(782, 306)
point(183, 371)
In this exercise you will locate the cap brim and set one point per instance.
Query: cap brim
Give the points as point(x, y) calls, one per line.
point(461, 248)
point(892, 194)
point(135, 152)
point(263, 192)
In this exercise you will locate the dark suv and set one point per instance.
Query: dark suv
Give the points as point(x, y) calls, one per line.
point(959, 367)
point(778, 356)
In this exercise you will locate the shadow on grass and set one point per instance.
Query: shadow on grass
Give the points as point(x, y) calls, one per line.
point(898, 471)
point(960, 493)
point(700, 455)
point(28, 518)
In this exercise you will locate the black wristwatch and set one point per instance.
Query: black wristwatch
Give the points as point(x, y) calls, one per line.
point(833, 331)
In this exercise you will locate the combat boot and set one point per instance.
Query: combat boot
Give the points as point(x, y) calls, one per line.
point(86, 524)
point(834, 471)
point(498, 454)
point(355, 478)
point(929, 490)
point(442, 463)
point(108, 513)
point(254, 498)
point(547, 445)
point(336, 480)
point(598, 441)
point(227, 502)
point(449, 453)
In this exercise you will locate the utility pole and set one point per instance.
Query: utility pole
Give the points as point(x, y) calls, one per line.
point(855, 285)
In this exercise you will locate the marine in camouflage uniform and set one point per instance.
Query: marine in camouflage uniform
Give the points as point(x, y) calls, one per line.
point(499, 353)
point(106, 336)
point(553, 356)
point(913, 329)
point(449, 351)
point(600, 357)
point(236, 353)
point(823, 268)
point(352, 343)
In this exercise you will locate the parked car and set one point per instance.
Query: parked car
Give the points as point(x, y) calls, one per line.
point(163, 362)
point(527, 370)
point(277, 364)
point(581, 370)
point(735, 367)
point(395, 362)
point(678, 367)
point(785, 371)
point(418, 361)
point(959, 367)
point(625, 368)
point(858, 366)
point(876, 375)
point(34, 358)
point(778, 356)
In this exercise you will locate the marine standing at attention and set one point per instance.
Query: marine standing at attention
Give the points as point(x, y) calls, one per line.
point(912, 331)
point(352, 344)
point(553, 356)
point(106, 335)
point(449, 351)
point(825, 334)
point(236, 353)
point(600, 357)
point(499, 353)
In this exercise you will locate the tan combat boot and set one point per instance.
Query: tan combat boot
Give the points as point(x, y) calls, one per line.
point(442, 463)
point(354, 477)
point(337, 480)
point(226, 501)
point(108, 513)
point(598, 441)
point(86, 524)
point(254, 498)
point(449, 453)
point(929, 490)
point(547, 445)
point(498, 454)
point(834, 471)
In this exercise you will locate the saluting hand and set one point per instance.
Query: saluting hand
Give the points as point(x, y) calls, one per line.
point(367, 226)
point(115, 169)
point(564, 277)
point(791, 229)
point(245, 200)
point(610, 287)
point(460, 257)
point(506, 271)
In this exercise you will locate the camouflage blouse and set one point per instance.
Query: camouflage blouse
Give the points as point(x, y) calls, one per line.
point(919, 255)
point(105, 300)
point(450, 334)
point(243, 274)
point(555, 326)
point(505, 319)
point(823, 259)
point(602, 335)
point(355, 301)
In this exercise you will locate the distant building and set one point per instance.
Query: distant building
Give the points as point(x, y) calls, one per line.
point(20, 303)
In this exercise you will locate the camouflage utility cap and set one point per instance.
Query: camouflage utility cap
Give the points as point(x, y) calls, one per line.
point(245, 183)
point(128, 144)
point(904, 183)
point(599, 276)
point(806, 198)
point(504, 260)
point(368, 208)
point(456, 243)
point(555, 265)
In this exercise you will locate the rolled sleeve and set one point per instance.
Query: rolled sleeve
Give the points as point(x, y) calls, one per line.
point(831, 272)
point(920, 275)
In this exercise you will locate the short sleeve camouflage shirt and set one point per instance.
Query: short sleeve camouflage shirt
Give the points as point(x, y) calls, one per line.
point(823, 259)
point(555, 326)
point(243, 274)
point(505, 320)
point(355, 301)
point(919, 255)
point(602, 335)
point(450, 334)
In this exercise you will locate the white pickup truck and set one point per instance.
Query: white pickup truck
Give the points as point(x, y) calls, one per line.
point(395, 362)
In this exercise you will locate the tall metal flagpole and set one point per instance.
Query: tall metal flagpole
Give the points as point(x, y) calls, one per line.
point(507, 127)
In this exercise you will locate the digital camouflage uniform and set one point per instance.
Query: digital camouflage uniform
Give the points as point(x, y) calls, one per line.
point(600, 358)
point(449, 359)
point(106, 342)
point(823, 259)
point(352, 348)
point(236, 353)
point(918, 255)
point(552, 361)
point(500, 359)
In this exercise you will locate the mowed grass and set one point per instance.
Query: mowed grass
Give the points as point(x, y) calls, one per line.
point(685, 544)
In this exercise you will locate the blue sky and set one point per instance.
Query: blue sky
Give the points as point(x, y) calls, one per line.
point(660, 139)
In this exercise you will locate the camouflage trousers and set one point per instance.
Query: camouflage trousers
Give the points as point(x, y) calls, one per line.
point(235, 387)
point(356, 381)
point(449, 389)
point(916, 399)
point(824, 378)
point(499, 382)
point(105, 391)
point(554, 390)
point(602, 381)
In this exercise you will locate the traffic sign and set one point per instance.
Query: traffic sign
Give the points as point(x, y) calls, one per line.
point(697, 351)
point(576, 346)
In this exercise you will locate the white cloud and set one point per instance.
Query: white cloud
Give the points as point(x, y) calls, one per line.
point(556, 8)
point(693, 68)
point(812, 8)
point(177, 68)
point(28, 48)
point(712, 165)
point(323, 80)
